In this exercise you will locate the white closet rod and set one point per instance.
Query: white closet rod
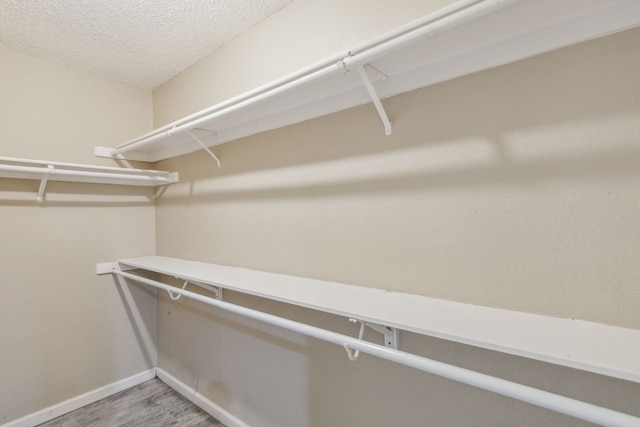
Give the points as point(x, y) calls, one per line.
point(575, 408)
point(431, 25)
point(445, 19)
point(56, 174)
point(223, 111)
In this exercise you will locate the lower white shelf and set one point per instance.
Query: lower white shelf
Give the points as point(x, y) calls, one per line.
point(593, 347)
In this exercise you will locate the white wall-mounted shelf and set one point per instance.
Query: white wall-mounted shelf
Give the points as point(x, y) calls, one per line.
point(468, 36)
point(45, 171)
point(593, 347)
point(602, 349)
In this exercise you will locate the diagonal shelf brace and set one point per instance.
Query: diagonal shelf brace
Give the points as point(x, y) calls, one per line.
point(375, 98)
point(204, 146)
point(43, 183)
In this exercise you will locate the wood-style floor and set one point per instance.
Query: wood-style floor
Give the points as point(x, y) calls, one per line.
point(152, 403)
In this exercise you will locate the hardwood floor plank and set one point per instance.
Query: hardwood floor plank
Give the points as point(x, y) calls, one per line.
point(152, 403)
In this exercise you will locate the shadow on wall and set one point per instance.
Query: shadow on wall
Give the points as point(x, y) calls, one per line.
point(19, 192)
point(569, 113)
point(135, 300)
point(255, 371)
point(375, 177)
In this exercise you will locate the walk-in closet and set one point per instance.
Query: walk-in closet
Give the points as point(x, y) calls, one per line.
point(305, 213)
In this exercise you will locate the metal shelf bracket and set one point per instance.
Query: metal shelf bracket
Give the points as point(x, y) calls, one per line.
point(43, 183)
point(217, 291)
point(176, 297)
point(204, 146)
point(390, 337)
point(374, 96)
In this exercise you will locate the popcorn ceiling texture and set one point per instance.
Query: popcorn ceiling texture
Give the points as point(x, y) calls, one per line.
point(142, 42)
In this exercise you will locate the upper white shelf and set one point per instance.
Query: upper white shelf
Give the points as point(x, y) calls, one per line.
point(45, 171)
point(468, 36)
point(593, 347)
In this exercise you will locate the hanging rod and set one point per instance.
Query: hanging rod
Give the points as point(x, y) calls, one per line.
point(562, 404)
point(221, 111)
point(46, 171)
point(444, 19)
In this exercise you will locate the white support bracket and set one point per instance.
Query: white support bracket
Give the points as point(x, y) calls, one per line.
point(191, 134)
point(43, 183)
point(390, 337)
point(103, 268)
point(176, 297)
point(217, 291)
point(374, 97)
point(390, 334)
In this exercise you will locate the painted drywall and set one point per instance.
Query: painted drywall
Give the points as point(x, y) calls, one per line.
point(66, 331)
point(515, 187)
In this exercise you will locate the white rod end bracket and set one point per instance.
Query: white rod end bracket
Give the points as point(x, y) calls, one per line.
point(106, 268)
point(103, 268)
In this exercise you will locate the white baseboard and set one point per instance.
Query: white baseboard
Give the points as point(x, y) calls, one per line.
point(88, 398)
point(199, 400)
point(67, 406)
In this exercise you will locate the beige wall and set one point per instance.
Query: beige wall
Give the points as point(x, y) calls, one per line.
point(66, 331)
point(516, 187)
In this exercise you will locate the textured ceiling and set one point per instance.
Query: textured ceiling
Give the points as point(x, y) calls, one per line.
point(141, 42)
